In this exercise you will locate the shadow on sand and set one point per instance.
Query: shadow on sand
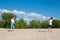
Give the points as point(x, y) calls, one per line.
point(42, 31)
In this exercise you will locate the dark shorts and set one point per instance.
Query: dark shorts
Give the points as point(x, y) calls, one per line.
point(49, 26)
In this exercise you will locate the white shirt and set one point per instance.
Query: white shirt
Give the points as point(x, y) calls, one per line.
point(12, 21)
point(50, 22)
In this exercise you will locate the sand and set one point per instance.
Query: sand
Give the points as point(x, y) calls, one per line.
point(29, 34)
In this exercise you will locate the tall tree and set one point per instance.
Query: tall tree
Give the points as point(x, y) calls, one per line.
point(56, 23)
point(6, 17)
point(35, 24)
point(45, 24)
point(21, 24)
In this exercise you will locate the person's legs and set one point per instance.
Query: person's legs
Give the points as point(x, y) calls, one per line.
point(11, 28)
point(50, 28)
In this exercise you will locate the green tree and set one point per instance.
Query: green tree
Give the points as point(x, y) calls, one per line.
point(56, 23)
point(35, 24)
point(6, 17)
point(21, 24)
point(45, 24)
point(2, 24)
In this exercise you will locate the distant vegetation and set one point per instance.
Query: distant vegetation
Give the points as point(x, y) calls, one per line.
point(6, 17)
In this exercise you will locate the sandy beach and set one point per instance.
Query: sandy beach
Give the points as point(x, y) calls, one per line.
point(29, 34)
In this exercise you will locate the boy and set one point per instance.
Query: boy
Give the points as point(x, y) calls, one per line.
point(12, 24)
point(50, 24)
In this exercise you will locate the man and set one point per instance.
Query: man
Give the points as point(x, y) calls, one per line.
point(12, 24)
point(50, 24)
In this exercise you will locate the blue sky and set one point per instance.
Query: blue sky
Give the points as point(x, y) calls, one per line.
point(47, 8)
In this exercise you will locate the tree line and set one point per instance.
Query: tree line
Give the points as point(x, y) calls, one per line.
point(6, 18)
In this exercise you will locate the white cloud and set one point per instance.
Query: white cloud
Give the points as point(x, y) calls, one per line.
point(5, 10)
point(0, 9)
point(18, 12)
point(25, 16)
point(26, 19)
